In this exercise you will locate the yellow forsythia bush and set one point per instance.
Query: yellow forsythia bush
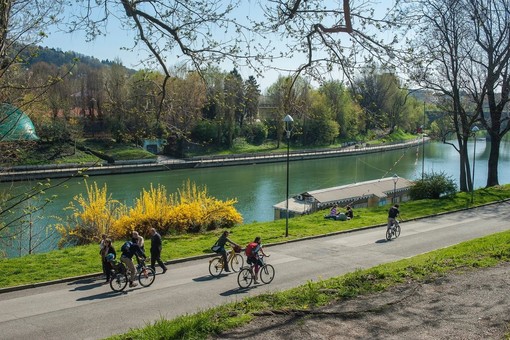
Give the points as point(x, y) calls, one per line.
point(150, 210)
point(92, 215)
point(189, 210)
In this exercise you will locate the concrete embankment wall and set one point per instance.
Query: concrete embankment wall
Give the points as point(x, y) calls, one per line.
point(25, 173)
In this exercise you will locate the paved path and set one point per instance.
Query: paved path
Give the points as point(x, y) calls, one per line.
point(88, 309)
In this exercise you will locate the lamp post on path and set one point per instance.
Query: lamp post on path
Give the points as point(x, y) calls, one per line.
point(475, 129)
point(288, 128)
point(395, 180)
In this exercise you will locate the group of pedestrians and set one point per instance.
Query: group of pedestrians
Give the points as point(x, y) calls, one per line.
point(132, 248)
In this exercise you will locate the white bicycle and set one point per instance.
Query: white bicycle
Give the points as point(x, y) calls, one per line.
point(393, 231)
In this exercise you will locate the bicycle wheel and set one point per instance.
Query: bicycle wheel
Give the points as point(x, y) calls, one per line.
point(118, 282)
point(388, 234)
point(397, 231)
point(266, 273)
point(237, 263)
point(216, 266)
point(147, 276)
point(245, 278)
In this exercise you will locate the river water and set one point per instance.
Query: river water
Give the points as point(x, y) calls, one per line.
point(258, 187)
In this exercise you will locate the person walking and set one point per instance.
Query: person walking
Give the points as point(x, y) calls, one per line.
point(156, 247)
point(138, 239)
point(103, 253)
point(108, 249)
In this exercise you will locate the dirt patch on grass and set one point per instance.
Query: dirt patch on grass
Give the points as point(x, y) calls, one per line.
point(470, 305)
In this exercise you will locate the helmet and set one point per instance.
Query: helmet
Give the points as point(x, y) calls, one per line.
point(110, 257)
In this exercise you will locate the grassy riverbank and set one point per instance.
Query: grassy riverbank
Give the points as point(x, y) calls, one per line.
point(85, 260)
point(69, 153)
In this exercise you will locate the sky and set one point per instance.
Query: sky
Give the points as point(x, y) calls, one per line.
point(113, 45)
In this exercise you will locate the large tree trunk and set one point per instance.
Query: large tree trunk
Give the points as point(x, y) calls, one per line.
point(492, 166)
point(464, 180)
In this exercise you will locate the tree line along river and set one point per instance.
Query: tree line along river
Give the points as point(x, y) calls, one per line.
point(258, 187)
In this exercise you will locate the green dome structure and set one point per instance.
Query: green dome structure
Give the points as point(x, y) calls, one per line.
point(15, 125)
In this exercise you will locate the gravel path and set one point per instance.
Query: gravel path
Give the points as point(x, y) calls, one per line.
point(470, 305)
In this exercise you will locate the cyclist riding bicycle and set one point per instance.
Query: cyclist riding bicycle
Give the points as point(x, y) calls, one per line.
point(253, 251)
point(130, 249)
point(219, 247)
point(393, 213)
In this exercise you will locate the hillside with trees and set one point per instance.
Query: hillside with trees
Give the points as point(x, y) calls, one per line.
point(206, 111)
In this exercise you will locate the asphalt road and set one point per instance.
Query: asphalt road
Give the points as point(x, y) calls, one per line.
point(87, 309)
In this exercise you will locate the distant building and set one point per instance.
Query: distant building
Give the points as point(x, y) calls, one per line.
point(15, 125)
point(359, 195)
point(154, 146)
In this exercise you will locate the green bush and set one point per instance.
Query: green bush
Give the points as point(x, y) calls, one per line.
point(205, 132)
point(433, 185)
point(255, 133)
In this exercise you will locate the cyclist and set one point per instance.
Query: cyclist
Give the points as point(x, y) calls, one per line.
point(392, 215)
point(130, 249)
point(253, 258)
point(220, 248)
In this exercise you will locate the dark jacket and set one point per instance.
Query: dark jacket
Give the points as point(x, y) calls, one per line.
point(156, 244)
point(393, 212)
point(111, 250)
point(134, 249)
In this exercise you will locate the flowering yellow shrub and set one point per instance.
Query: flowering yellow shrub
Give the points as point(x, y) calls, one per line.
point(92, 216)
point(188, 210)
point(150, 210)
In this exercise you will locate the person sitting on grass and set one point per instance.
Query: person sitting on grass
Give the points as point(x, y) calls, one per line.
point(333, 213)
point(349, 213)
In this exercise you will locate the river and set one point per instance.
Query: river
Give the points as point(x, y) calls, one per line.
point(258, 187)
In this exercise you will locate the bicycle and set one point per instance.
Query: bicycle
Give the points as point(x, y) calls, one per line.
point(393, 231)
point(247, 275)
point(234, 258)
point(119, 276)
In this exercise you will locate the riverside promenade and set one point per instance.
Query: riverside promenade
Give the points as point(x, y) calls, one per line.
point(85, 308)
point(28, 173)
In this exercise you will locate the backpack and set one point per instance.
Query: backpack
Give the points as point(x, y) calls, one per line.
point(249, 249)
point(125, 247)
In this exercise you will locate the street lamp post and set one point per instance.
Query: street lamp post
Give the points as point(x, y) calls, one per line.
point(288, 128)
point(423, 144)
point(475, 129)
point(395, 180)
